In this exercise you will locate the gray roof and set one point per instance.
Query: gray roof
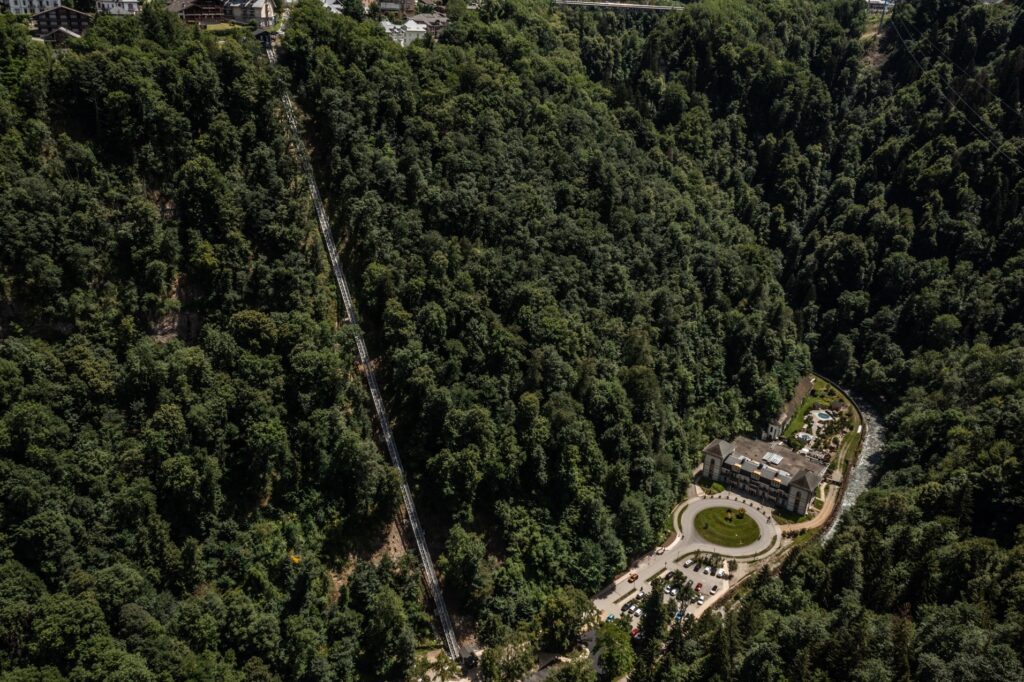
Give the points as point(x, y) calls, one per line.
point(808, 480)
point(769, 461)
point(719, 448)
point(431, 18)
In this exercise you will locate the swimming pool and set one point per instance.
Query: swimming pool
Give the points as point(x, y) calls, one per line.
point(824, 416)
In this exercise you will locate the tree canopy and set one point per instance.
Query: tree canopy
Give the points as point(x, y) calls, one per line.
point(583, 244)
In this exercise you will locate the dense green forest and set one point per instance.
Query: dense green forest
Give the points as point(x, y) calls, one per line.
point(571, 229)
point(186, 463)
point(584, 243)
point(565, 315)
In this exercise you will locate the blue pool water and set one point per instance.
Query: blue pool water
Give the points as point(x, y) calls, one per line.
point(824, 416)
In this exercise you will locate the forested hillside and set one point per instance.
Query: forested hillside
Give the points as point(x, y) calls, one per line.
point(571, 228)
point(585, 243)
point(887, 172)
point(565, 313)
point(184, 451)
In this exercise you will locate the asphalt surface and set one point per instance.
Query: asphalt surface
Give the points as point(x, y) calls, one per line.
point(688, 543)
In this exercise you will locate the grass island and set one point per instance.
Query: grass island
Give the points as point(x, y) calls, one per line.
point(727, 527)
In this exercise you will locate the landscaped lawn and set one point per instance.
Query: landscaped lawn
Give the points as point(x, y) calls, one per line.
point(784, 517)
point(724, 526)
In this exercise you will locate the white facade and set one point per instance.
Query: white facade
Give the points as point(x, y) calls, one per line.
point(119, 8)
point(28, 6)
point(404, 34)
point(245, 11)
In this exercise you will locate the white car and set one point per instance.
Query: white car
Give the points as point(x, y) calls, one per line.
point(720, 573)
point(639, 612)
point(632, 609)
point(660, 551)
point(700, 601)
point(668, 589)
point(674, 591)
point(687, 563)
point(707, 570)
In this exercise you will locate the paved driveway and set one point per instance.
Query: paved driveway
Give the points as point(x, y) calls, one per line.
point(688, 542)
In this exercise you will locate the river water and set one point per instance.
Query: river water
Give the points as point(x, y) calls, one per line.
point(862, 474)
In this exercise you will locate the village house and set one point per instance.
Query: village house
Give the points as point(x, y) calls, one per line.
point(60, 23)
point(770, 472)
point(403, 6)
point(434, 23)
point(260, 12)
point(119, 8)
point(404, 34)
point(198, 11)
point(28, 6)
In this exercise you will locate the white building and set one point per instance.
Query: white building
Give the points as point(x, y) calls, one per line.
point(28, 6)
point(245, 11)
point(404, 34)
point(119, 8)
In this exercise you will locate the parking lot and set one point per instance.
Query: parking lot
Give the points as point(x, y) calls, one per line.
point(688, 589)
point(689, 544)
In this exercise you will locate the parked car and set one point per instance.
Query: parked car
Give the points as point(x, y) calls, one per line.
point(689, 583)
point(668, 588)
point(679, 616)
point(632, 609)
point(687, 563)
point(660, 551)
point(707, 570)
point(699, 585)
point(720, 573)
point(669, 575)
point(714, 588)
point(639, 612)
point(610, 618)
point(633, 577)
point(700, 601)
point(696, 568)
point(634, 632)
point(674, 591)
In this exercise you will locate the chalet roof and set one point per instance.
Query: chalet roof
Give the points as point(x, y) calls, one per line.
point(430, 18)
point(62, 7)
point(57, 33)
point(179, 6)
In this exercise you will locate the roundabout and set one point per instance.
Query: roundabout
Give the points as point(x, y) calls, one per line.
point(759, 533)
point(728, 527)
